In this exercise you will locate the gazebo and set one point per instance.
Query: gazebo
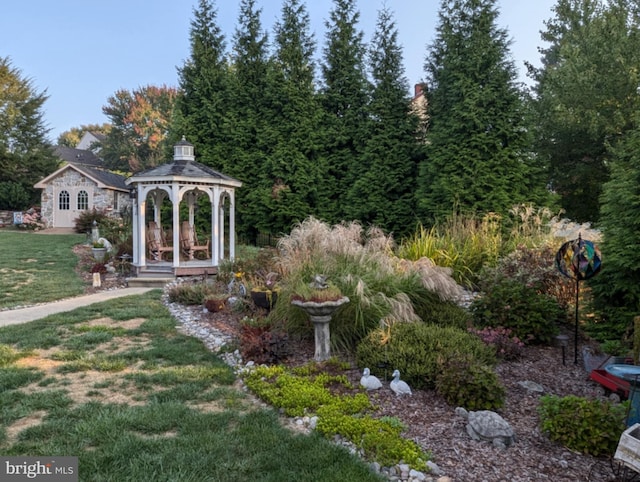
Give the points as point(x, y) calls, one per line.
point(164, 245)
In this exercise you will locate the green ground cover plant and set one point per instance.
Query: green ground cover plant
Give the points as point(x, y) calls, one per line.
point(38, 268)
point(162, 408)
point(307, 390)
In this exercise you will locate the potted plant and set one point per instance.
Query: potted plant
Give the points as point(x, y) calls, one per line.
point(320, 290)
point(264, 290)
point(215, 302)
point(99, 250)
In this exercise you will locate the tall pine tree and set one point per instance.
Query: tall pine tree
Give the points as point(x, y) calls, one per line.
point(204, 85)
point(383, 192)
point(248, 119)
point(294, 167)
point(616, 290)
point(586, 96)
point(345, 102)
point(478, 157)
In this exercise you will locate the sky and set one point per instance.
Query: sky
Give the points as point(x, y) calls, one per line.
point(80, 52)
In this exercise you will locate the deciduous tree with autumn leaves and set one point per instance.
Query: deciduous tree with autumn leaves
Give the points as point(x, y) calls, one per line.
point(140, 120)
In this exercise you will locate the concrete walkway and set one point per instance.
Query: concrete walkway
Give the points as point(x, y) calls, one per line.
point(24, 315)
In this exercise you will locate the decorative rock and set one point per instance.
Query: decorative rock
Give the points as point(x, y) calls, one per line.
point(417, 476)
point(313, 421)
point(531, 386)
point(433, 467)
point(489, 426)
point(370, 382)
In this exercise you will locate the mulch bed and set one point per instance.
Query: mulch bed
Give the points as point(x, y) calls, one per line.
point(433, 424)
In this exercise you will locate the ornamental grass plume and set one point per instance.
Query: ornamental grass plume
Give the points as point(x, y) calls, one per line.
point(362, 264)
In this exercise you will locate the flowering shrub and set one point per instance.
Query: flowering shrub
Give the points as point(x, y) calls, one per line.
point(31, 220)
point(506, 344)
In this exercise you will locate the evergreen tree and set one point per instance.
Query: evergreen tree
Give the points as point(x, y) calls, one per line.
point(586, 94)
point(616, 290)
point(345, 102)
point(383, 193)
point(478, 157)
point(248, 116)
point(293, 165)
point(204, 87)
point(25, 152)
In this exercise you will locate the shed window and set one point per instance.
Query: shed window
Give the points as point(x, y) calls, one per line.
point(63, 201)
point(83, 201)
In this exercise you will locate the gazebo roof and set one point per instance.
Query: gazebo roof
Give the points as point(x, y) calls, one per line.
point(183, 168)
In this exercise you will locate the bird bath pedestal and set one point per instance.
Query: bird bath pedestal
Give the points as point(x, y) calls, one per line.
point(320, 314)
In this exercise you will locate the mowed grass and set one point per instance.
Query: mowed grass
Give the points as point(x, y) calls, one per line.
point(36, 268)
point(117, 385)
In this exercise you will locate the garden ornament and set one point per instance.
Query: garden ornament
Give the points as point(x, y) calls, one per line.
point(319, 282)
point(105, 242)
point(489, 426)
point(398, 386)
point(370, 382)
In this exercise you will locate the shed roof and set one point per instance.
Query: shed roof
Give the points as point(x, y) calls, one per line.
point(78, 156)
point(104, 179)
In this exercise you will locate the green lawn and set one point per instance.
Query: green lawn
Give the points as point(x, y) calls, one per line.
point(115, 384)
point(36, 268)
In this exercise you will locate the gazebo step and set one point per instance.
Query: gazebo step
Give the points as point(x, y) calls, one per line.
point(148, 282)
point(156, 271)
point(196, 270)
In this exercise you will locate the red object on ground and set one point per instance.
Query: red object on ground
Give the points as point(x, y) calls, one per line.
point(611, 382)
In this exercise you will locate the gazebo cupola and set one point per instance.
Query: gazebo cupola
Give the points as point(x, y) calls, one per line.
point(183, 151)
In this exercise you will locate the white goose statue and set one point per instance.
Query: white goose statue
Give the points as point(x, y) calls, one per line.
point(368, 381)
point(398, 386)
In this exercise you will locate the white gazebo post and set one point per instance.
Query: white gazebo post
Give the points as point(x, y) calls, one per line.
point(232, 226)
point(176, 198)
point(142, 227)
point(221, 224)
point(135, 223)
